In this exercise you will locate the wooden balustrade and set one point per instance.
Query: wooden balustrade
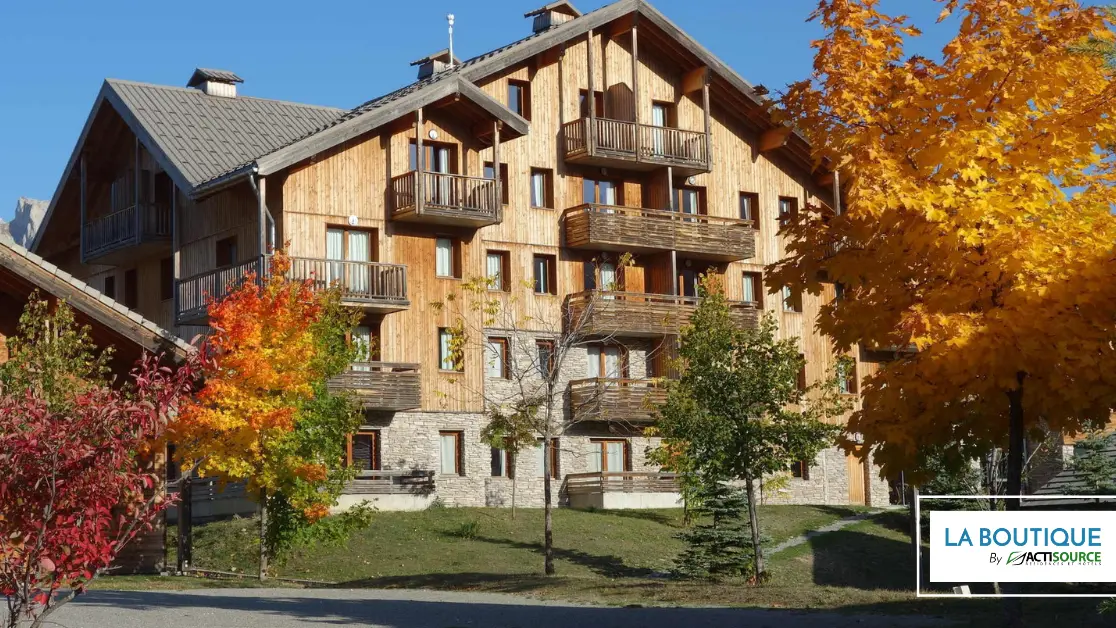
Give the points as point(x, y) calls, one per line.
point(636, 230)
point(616, 400)
point(450, 199)
point(371, 285)
point(392, 482)
point(126, 227)
point(622, 482)
point(381, 385)
point(634, 314)
point(626, 141)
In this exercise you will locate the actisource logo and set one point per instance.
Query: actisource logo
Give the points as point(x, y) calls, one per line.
point(1046, 559)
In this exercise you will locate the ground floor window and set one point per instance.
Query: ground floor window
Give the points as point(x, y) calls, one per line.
point(363, 450)
point(800, 469)
point(609, 456)
point(450, 453)
point(554, 470)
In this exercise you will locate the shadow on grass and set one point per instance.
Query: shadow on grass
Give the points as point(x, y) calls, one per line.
point(607, 566)
point(643, 515)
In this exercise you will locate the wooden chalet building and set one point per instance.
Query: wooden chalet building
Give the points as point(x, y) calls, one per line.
point(541, 161)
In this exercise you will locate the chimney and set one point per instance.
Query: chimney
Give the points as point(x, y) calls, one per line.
point(438, 62)
point(552, 15)
point(215, 82)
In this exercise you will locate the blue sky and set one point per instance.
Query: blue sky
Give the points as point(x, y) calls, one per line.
point(55, 54)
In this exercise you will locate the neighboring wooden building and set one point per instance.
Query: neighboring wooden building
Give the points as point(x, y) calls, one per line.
point(543, 160)
point(110, 324)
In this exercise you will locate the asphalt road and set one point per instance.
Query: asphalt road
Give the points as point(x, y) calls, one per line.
point(368, 608)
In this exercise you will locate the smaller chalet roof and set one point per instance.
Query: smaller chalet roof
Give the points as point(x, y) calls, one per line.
point(22, 272)
point(441, 55)
point(202, 75)
point(562, 7)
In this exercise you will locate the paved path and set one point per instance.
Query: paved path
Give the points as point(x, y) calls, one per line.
point(371, 608)
point(833, 527)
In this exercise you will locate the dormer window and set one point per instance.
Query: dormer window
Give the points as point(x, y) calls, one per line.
point(432, 64)
point(552, 15)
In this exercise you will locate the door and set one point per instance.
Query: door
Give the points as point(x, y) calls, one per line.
point(687, 282)
point(354, 247)
point(605, 361)
point(688, 201)
point(856, 476)
point(600, 192)
point(608, 278)
point(437, 160)
point(362, 342)
point(659, 114)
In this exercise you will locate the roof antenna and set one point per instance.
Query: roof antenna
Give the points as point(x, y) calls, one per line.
point(449, 18)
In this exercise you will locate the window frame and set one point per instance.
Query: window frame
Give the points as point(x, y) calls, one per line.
point(551, 278)
point(699, 191)
point(459, 452)
point(505, 191)
point(109, 287)
point(555, 459)
point(442, 358)
point(226, 248)
point(602, 357)
point(548, 187)
point(583, 103)
point(507, 460)
point(374, 449)
point(505, 357)
point(792, 301)
point(540, 344)
point(524, 104)
point(617, 184)
point(753, 208)
point(785, 216)
point(131, 288)
point(504, 284)
point(757, 287)
point(604, 454)
point(801, 383)
point(454, 257)
point(800, 469)
point(846, 378)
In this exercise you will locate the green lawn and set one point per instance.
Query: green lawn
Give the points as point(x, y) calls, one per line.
point(611, 557)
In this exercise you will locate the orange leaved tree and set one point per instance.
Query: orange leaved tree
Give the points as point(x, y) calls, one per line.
point(265, 415)
point(976, 232)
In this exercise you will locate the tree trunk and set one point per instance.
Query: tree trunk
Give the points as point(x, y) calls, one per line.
point(548, 508)
point(1013, 607)
point(753, 520)
point(515, 480)
point(185, 524)
point(263, 535)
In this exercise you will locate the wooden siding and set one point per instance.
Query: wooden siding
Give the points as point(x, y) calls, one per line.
point(633, 230)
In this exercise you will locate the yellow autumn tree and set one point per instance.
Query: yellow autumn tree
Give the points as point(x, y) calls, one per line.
point(976, 223)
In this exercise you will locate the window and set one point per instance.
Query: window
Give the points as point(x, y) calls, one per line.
point(792, 300)
point(601, 192)
point(498, 270)
point(131, 288)
point(166, 278)
point(542, 188)
point(544, 350)
point(752, 288)
point(801, 380)
point(490, 173)
point(503, 463)
point(598, 103)
point(846, 377)
point(437, 157)
point(749, 208)
point(688, 280)
point(497, 362)
point(450, 454)
point(546, 278)
point(838, 292)
point(689, 200)
point(446, 359)
point(447, 258)
point(110, 287)
point(519, 98)
point(554, 471)
point(788, 208)
point(363, 451)
point(800, 469)
point(606, 361)
point(226, 252)
point(609, 456)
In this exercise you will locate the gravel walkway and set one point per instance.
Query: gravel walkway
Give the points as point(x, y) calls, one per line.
point(370, 608)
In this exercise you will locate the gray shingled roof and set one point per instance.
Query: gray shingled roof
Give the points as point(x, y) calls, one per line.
point(208, 136)
point(1068, 482)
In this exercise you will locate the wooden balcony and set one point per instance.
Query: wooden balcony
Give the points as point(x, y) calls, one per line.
point(634, 230)
point(615, 400)
point(131, 233)
point(621, 144)
point(372, 286)
point(626, 489)
point(632, 314)
point(445, 199)
point(382, 386)
point(392, 482)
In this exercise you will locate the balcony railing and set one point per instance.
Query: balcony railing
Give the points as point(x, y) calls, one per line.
point(127, 227)
point(616, 400)
point(633, 314)
point(392, 482)
point(381, 385)
point(449, 199)
point(621, 482)
point(636, 230)
point(599, 141)
point(371, 285)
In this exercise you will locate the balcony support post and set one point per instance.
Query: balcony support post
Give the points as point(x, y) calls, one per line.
point(635, 83)
point(84, 210)
point(498, 194)
point(420, 158)
point(837, 191)
point(708, 119)
point(261, 211)
point(591, 99)
point(176, 269)
point(136, 205)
